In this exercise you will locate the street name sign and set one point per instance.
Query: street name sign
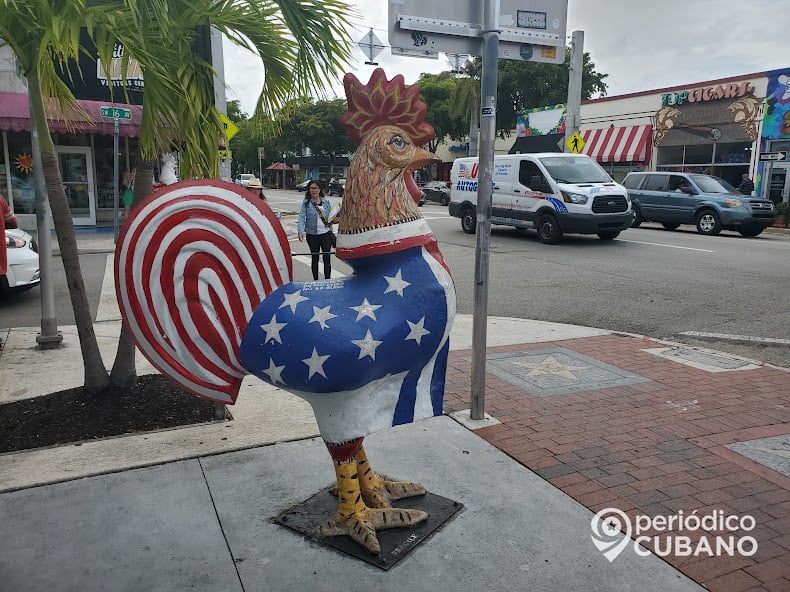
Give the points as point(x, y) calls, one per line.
point(764, 156)
point(528, 31)
point(116, 112)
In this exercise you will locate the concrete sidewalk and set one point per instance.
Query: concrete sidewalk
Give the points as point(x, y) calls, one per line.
point(581, 420)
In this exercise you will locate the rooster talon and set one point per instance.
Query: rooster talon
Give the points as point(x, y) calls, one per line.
point(360, 530)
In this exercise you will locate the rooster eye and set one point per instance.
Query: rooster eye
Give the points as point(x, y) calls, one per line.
point(398, 142)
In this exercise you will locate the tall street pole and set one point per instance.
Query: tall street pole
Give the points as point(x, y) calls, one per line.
point(49, 337)
point(485, 186)
point(573, 116)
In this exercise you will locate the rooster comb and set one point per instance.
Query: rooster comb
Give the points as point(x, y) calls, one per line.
point(384, 102)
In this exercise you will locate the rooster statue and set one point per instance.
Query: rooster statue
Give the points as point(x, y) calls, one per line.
point(203, 277)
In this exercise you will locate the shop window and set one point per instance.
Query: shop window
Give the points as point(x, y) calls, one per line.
point(20, 161)
point(699, 154)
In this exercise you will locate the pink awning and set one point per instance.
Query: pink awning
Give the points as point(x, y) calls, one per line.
point(15, 116)
point(619, 144)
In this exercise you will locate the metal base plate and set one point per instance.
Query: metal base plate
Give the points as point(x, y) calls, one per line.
point(396, 543)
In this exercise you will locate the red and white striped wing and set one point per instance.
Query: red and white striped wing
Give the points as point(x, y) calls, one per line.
point(191, 265)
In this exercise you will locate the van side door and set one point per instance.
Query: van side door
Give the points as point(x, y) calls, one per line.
point(683, 201)
point(501, 195)
point(527, 194)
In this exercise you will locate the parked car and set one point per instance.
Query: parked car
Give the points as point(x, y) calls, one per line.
point(438, 191)
point(336, 187)
point(303, 185)
point(244, 179)
point(708, 202)
point(23, 271)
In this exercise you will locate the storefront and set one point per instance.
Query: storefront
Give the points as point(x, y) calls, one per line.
point(85, 156)
point(773, 176)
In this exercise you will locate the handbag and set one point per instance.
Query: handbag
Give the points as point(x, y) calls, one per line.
point(332, 236)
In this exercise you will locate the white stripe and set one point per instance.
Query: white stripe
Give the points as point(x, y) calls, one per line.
point(667, 246)
point(387, 234)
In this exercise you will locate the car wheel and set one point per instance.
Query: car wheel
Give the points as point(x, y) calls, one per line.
point(670, 225)
point(708, 223)
point(445, 200)
point(637, 217)
point(751, 231)
point(468, 222)
point(549, 231)
point(608, 235)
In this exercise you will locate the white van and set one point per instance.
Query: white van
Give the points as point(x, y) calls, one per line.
point(552, 192)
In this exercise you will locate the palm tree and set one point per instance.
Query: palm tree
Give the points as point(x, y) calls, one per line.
point(302, 44)
point(42, 34)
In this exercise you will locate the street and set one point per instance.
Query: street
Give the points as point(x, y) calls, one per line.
point(649, 281)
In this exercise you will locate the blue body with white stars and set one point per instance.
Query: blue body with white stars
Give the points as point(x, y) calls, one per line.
point(368, 351)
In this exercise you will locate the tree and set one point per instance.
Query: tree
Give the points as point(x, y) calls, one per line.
point(301, 43)
point(436, 91)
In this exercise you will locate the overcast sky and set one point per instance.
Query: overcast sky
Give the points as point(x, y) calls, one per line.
point(640, 44)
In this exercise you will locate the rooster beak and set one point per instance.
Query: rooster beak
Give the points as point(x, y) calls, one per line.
point(422, 158)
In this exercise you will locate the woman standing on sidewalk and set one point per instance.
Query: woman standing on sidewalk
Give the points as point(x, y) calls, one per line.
point(313, 225)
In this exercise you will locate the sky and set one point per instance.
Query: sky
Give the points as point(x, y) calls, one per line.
point(641, 44)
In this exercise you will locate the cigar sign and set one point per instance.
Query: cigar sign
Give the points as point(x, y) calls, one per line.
point(715, 92)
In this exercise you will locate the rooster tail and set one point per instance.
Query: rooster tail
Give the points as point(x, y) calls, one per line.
point(191, 265)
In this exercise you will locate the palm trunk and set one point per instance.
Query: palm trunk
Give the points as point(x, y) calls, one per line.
point(124, 371)
point(96, 377)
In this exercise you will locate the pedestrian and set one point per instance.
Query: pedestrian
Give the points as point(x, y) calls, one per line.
point(255, 187)
point(127, 183)
point(313, 226)
point(747, 186)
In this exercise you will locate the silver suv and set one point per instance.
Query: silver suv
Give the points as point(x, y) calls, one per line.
point(708, 202)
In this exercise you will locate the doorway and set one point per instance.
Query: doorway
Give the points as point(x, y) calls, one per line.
point(76, 169)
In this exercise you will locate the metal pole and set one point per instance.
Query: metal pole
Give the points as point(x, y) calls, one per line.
point(484, 190)
point(49, 337)
point(573, 115)
point(116, 179)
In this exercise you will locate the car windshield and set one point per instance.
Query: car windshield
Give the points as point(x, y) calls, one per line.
point(708, 184)
point(575, 170)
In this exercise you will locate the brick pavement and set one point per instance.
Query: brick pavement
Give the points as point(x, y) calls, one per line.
point(651, 447)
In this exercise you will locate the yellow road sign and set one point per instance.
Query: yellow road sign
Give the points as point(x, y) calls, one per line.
point(575, 143)
point(230, 127)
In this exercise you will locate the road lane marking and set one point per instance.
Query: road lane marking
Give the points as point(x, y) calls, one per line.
point(622, 240)
point(307, 260)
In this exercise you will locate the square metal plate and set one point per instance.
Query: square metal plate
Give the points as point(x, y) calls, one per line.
point(396, 543)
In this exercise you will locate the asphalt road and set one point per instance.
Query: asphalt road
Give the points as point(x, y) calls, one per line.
point(649, 281)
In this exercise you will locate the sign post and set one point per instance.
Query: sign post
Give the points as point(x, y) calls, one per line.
point(527, 30)
point(261, 156)
point(116, 113)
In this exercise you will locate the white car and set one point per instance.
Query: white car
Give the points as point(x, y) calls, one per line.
point(244, 179)
point(23, 271)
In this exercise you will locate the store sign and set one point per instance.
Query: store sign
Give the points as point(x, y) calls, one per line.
point(707, 93)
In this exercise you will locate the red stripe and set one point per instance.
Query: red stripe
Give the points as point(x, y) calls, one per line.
point(631, 143)
point(624, 146)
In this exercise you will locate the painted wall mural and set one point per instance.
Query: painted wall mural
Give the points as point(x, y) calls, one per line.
point(204, 283)
point(541, 121)
point(776, 121)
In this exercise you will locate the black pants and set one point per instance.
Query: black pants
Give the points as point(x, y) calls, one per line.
point(320, 244)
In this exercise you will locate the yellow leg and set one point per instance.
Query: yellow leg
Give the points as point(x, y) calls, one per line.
point(377, 490)
point(355, 519)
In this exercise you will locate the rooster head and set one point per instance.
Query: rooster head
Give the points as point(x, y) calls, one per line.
point(387, 119)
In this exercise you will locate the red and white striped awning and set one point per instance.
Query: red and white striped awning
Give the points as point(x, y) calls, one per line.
point(618, 144)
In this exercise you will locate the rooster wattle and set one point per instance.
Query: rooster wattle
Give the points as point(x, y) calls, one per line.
point(203, 277)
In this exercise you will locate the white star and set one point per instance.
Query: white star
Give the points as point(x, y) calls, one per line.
point(316, 364)
point(396, 284)
point(417, 330)
point(552, 366)
point(321, 316)
point(367, 346)
point(292, 300)
point(272, 329)
point(274, 372)
point(366, 309)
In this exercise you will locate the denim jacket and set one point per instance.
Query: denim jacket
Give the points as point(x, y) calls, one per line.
point(308, 217)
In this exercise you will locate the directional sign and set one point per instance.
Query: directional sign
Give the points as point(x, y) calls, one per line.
point(575, 143)
point(115, 112)
point(772, 156)
point(230, 127)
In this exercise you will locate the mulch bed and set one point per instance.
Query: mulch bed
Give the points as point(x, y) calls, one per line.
point(74, 415)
